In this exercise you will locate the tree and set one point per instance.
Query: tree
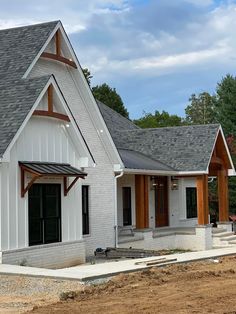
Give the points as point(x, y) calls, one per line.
point(109, 97)
point(87, 75)
point(201, 109)
point(226, 104)
point(158, 119)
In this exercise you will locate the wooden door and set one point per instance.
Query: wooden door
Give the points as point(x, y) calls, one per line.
point(161, 201)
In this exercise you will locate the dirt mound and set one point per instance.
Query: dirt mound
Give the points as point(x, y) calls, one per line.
point(200, 287)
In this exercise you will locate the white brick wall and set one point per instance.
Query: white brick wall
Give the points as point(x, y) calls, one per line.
point(56, 255)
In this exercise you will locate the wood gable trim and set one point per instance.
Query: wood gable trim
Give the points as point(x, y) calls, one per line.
point(220, 157)
point(50, 113)
point(57, 55)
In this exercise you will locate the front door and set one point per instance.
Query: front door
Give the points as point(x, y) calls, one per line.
point(44, 213)
point(161, 201)
point(127, 216)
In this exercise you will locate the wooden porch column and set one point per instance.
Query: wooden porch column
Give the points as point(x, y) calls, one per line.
point(223, 195)
point(141, 201)
point(202, 200)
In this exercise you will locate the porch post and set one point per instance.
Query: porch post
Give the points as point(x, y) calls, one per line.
point(141, 201)
point(223, 195)
point(202, 200)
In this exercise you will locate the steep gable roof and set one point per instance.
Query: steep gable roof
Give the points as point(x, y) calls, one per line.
point(114, 120)
point(19, 46)
point(16, 101)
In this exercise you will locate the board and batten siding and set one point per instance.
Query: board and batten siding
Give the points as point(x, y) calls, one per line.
point(42, 139)
point(101, 177)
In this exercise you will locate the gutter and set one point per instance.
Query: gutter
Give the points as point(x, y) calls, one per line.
point(163, 172)
point(115, 207)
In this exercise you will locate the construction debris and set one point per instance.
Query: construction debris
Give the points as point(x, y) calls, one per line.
point(111, 253)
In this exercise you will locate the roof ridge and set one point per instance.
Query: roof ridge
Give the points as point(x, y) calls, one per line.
point(30, 25)
point(171, 127)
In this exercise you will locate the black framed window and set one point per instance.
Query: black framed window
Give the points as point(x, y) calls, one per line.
point(44, 214)
point(191, 202)
point(85, 208)
point(127, 210)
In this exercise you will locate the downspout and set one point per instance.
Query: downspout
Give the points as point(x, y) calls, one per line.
point(115, 213)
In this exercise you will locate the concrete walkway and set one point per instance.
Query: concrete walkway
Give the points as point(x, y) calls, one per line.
point(107, 269)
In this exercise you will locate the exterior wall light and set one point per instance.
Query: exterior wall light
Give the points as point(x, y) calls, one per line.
point(174, 183)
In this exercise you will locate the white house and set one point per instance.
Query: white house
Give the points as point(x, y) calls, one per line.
point(75, 175)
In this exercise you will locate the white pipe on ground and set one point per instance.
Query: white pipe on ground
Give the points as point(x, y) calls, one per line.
point(115, 207)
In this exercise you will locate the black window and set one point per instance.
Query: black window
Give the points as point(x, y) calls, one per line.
point(85, 208)
point(44, 213)
point(191, 202)
point(127, 215)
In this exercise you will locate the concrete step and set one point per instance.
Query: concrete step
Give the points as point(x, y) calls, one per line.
point(222, 234)
point(222, 246)
point(229, 238)
point(232, 242)
point(218, 230)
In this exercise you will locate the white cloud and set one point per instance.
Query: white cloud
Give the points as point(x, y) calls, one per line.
point(207, 41)
point(201, 2)
point(9, 23)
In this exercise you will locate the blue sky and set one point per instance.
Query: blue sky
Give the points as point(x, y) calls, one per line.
point(156, 53)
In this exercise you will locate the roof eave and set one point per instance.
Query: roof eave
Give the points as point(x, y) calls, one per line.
point(163, 172)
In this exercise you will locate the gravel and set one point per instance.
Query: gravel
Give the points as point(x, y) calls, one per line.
point(21, 293)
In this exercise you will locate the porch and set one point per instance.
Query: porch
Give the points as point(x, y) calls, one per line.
point(157, 211)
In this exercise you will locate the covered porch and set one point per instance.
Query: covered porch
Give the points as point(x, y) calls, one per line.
point(157, 211)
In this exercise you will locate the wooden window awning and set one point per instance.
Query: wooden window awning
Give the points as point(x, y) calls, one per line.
point(47, 169)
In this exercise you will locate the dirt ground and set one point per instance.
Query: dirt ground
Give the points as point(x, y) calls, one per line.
point(201, 287)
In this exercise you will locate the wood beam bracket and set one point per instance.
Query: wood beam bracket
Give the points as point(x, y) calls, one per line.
point(55, 115)
point(58, 58)
point(25, 189)
point(67, 187)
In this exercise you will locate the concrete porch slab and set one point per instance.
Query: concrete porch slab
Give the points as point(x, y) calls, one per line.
point(92, 272)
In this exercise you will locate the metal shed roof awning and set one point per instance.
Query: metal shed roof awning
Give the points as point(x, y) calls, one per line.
point(46, 169)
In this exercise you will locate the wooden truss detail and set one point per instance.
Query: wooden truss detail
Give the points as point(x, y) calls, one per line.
point(50, 112)
point(57, 56)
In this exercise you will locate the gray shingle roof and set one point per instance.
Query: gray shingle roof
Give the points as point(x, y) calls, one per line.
point(19, 46)
point(114, 120)
point(16, 100)
point(186, 148)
